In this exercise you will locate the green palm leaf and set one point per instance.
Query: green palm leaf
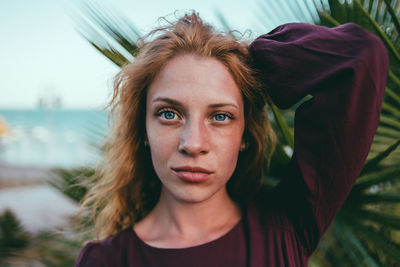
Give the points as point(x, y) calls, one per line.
point(393, 95)
point(357, 252)
point(379, 198)
point(372, 163)
point(369, 180)
point(113, 36)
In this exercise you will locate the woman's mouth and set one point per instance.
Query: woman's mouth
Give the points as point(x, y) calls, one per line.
point(192, 174)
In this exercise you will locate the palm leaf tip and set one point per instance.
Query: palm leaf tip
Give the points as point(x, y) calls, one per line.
point(372, 163)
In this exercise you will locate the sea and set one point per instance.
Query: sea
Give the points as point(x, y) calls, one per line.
point(52, 137)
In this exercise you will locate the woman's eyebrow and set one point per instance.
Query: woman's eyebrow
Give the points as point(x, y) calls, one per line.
point(169, 101)
point(219, 105)
point(179, 104)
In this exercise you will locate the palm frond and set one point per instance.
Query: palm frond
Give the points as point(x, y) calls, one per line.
point(282, 126)
point(357, 252)
point(372, 179)
point(372, 163)
point(72, 183)
point(112, 35)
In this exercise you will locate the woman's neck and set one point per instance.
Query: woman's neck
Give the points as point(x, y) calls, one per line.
point(177, 224)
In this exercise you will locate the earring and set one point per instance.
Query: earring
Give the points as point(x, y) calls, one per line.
point(146, 143)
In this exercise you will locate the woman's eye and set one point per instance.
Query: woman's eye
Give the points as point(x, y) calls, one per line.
point(168, 115)
point(221, 117)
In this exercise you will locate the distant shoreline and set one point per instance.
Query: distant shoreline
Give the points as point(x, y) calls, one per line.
point(15, 175)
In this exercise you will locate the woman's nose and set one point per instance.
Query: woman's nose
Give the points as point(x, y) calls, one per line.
point(194, 139)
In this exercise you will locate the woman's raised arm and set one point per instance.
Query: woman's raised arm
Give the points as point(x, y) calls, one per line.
point(345, 69)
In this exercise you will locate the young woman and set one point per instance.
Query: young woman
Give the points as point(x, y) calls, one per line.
point(182, 184)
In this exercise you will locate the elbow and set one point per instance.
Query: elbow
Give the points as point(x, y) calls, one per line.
point(375, 59)
point(370, 54)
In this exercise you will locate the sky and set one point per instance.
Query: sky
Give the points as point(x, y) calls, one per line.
point(43, 54)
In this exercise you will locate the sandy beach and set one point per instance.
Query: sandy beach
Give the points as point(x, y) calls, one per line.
point(36, 204)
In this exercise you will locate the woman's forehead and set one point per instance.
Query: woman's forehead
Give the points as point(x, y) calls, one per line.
point(192, 78)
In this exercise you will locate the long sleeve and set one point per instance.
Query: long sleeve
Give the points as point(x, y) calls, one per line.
point(345, 69)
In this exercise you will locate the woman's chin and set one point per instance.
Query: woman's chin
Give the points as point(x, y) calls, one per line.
point(193, 195)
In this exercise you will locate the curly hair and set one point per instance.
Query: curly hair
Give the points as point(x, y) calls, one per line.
point(127, 187)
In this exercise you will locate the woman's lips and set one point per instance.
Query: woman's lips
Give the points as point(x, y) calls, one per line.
point(192, 174)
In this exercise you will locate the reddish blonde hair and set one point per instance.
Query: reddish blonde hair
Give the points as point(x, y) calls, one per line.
point(127, 187)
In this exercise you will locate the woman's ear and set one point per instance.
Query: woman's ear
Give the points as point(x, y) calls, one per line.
point(242, 145)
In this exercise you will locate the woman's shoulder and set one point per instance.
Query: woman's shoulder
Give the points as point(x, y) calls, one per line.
point(98, 253)
point(90, 255)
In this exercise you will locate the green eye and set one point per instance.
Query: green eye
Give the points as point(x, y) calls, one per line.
point(168, 115)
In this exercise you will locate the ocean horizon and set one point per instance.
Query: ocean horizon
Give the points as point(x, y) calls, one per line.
point(50, 138)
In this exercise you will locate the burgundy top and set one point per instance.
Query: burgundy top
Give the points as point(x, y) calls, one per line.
point(344, 69)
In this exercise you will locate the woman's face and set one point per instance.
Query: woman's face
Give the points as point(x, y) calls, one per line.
point(194, 124)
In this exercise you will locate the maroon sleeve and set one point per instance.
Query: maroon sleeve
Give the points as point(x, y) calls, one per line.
point(345, 69)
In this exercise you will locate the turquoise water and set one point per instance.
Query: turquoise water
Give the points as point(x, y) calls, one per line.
point(52, 138)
